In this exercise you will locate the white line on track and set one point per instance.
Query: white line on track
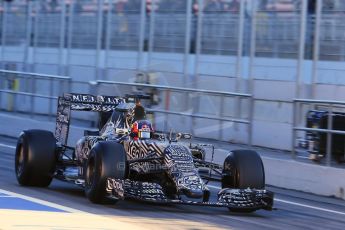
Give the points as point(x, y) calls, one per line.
point(297, 204)
point(42, 202)
point(7, 146)
point(89, 220)
point(309, 206)
point(35, 200)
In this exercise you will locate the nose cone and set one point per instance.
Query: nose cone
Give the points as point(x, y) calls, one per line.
point(192, 186)
point(183, 172)
point(193, 193)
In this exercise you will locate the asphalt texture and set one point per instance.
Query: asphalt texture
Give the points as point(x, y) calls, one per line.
point(292, 209)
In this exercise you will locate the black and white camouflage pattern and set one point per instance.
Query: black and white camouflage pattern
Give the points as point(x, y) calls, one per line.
point(181, 168)
point(81, 102)
point(135, 189)
point(116, 188)
point(142, 149)
point(84, 145)
point(86, 102)
point(246, 198)
point(177, 161)
point(62, 120)
point(153, 192)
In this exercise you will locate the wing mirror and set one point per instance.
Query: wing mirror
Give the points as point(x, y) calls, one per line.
point(186, 136)
point(122, 131)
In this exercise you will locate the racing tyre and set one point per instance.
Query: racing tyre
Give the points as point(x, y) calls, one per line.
point(106, 159)
point(35, 158)
point(243, 169)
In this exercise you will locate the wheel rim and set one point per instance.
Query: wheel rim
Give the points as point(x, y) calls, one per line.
point(90, 172)
point(20, 161)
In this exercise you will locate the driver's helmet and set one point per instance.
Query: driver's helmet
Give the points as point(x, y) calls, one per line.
point(141, 129)
point(135, 113)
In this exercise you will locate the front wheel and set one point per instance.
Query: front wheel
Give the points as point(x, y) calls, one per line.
point(243, 169)
point(106, 160)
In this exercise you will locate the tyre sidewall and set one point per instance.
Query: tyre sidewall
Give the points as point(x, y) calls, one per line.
point(94, 189)
point(246, 170)
point(24, 176)
point(39, 156)
point(107, 157)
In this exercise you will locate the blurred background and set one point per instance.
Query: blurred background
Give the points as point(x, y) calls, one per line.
point(244, 71)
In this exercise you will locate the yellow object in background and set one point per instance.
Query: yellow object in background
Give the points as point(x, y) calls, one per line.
point(12, 85)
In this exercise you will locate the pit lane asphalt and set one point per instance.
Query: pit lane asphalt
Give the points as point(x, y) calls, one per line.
point(294, 210)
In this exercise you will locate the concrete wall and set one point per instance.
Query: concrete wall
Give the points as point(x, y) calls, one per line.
point(79, 62)
point(309, 178)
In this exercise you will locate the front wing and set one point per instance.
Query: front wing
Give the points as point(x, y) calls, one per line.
point(246, 199)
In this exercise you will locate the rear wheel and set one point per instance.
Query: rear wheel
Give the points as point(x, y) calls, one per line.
point(243, 169)
point(35, 158)
point(106, 160)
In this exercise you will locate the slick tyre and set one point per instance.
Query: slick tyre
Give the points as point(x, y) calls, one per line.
point(106, 160)
point(35, 158)
point(243, 169)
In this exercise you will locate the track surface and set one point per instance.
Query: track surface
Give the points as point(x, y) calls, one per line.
point(294, 210)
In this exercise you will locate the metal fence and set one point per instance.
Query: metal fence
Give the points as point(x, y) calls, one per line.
point(31, 93)
point(36, 94)
point(187, 109)
point(182, 36)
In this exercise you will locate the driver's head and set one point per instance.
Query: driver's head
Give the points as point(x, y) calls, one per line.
point(139, 113)
point(141, 129)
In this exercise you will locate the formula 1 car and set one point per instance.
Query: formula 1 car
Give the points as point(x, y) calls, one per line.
point(126, 158)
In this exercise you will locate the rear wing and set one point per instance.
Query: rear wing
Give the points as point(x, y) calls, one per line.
point(80, 102)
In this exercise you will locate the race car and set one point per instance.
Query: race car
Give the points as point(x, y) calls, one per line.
point(127, 158)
